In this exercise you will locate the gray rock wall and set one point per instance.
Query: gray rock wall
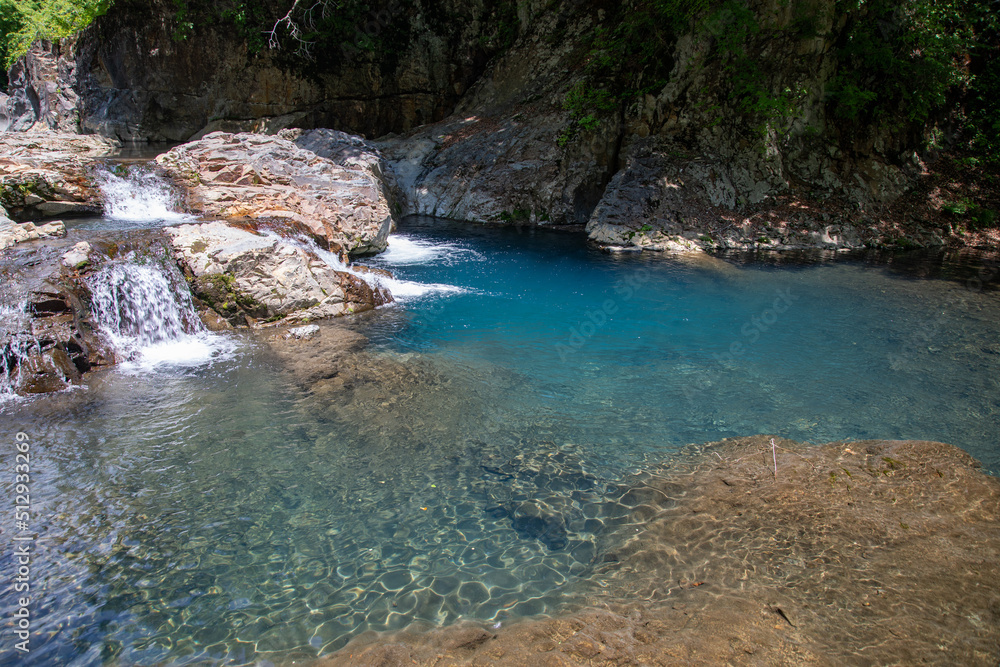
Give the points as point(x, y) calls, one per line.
point(129, 76)
point(469, 137)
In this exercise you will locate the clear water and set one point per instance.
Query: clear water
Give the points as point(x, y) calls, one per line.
point(229, 510)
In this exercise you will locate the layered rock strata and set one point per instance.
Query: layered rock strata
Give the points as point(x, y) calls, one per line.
point(248, 176)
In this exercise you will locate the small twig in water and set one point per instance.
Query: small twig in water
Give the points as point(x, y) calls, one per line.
point(774, 456)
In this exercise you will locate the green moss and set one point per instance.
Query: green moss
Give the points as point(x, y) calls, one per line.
point(892, 463)
point(218, 291)
point(518, 215)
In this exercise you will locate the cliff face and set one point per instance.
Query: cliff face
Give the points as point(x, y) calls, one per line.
point(524, 144)
point(528, 112)
point(140, 73)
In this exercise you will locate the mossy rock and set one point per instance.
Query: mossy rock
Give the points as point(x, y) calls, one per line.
point(218, 291)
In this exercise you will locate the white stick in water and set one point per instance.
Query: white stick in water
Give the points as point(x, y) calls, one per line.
point(775, 457)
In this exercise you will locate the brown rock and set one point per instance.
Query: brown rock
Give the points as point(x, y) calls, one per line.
point(47, 173)
point(255, 176)
point(240, 273)
point(878, 552)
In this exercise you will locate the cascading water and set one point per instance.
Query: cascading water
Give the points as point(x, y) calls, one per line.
point(147, 320)
point(138, 195)
point(16, 346)
point(401, 290)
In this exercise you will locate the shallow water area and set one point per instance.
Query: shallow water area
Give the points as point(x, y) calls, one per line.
point(473, 460)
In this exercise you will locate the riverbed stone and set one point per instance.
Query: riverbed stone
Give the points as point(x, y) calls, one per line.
point(78, 256)
point(252, 176)
point(808, 561)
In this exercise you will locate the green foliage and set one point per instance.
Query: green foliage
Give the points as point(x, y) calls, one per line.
point(901, 58)
point(956, 208)
point(248, 17)
point(982, 104)
point(631, 55)
point(628, 55)
point(974, 215)
point(586, 104)
point(24, 21)
point(183, 26)
point(915, 60)
point(517, 216)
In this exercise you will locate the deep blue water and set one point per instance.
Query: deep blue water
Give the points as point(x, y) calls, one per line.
point(226, 511)
point(644, 352)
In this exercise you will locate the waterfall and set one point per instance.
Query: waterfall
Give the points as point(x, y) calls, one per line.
point(16, 346)
point(138, 194)
point(149, 321)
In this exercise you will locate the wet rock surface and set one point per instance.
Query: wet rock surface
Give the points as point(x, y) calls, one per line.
point(13, 232)
point(238, 176)
point(46, 174)
point(48, 339)
point(246, 276)
point(875, 552)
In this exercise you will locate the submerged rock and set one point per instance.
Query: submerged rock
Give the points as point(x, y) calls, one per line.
point(536, 520)
point(734, 559)
point(307, 331)
point(246, 276)
point(238, 176)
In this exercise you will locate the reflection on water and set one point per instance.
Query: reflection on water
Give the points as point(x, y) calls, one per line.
point(473, 461)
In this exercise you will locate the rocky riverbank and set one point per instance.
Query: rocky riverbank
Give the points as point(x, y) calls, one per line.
point(744, 552)
point(43, 175)
point(282, 205)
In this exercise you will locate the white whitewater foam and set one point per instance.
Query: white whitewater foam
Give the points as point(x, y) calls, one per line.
point(406, 251)
point(401, 290)
point(140, 195)
point(149, 322)
point(15, 347)
point(404, 290)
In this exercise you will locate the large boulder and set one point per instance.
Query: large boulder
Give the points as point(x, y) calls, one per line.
point(248, 276)
point(46, 174)
point(240, 176)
